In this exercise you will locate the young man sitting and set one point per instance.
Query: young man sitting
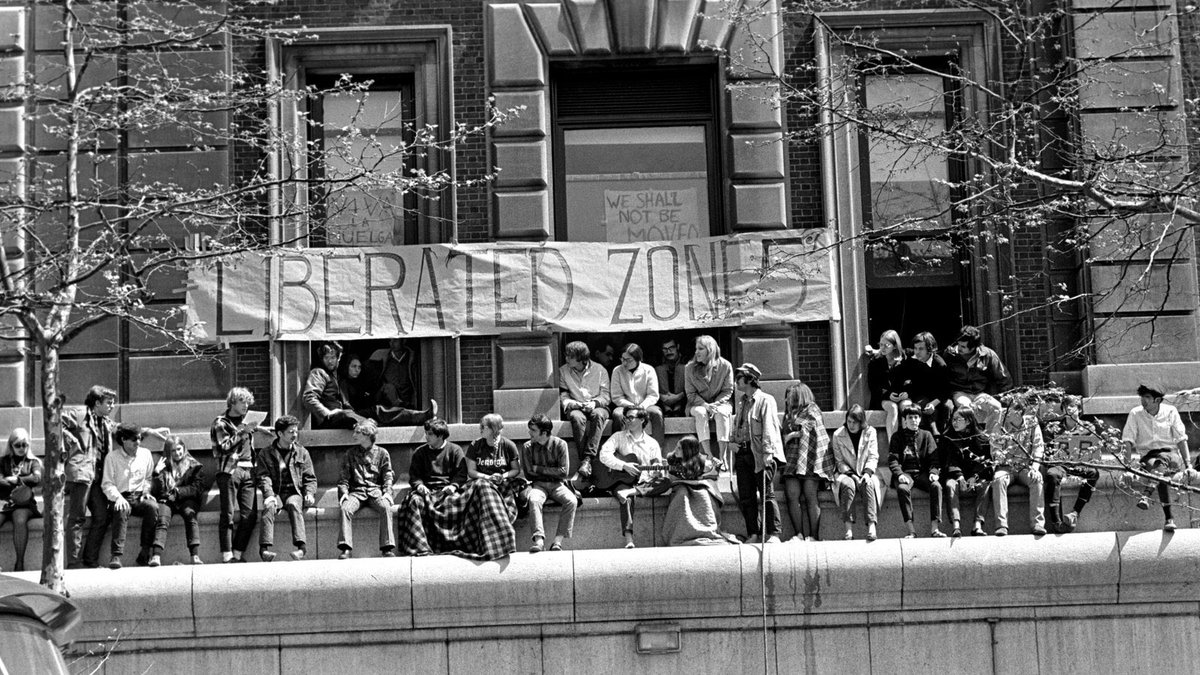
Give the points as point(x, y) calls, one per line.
point(366, 480)
point(287, 480)
point(545, 461)
point(128, 470)
point(1156, 432)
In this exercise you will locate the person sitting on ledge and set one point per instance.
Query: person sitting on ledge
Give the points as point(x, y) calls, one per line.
point(1017, 450)
point(692, 515)
point(546, 462)
point(288, 482)
point(670, 375)
point(584, 397)
point(635, 385)
point(397, 375)
point(1069, 424)
point(965, 456)
point(708, 382)
point(178, 487)
point(975, 376)
point(323, 395)
point(856, 454)
point(20, 473)
point(127, 474)
point(631, 458)
point(366, 480)
point(1156, 432)
point(912, 457)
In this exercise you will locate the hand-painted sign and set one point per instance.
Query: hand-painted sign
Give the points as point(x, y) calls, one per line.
point(489, 289)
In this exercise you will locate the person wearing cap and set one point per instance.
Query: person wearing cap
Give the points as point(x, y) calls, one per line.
point(975, 376)
point(756, 435)
point(1156, 432)
point(1017, 450)
point(912, 457)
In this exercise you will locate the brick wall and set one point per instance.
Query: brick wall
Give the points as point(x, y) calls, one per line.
point(477, 377)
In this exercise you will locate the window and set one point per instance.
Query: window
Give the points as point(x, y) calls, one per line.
point(636, 153)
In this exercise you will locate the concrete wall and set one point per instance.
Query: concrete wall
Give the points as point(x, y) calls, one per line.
point(1104, 602)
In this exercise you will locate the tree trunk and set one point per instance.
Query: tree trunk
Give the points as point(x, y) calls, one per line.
point(53, 478)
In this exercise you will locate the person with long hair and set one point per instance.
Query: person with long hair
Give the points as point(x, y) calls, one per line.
point(809, 460)
point(965, 456)
point(692, 517)
point(856, 454)
point(883, 371)
point(178, 486)
point(20, 473)
point(708, 383)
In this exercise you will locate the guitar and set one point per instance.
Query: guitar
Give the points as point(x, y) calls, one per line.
point(605, 478)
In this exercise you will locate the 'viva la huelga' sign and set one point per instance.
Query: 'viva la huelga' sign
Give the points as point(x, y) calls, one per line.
point(505, 287)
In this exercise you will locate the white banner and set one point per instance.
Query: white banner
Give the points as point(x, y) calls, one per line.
point(489, 289)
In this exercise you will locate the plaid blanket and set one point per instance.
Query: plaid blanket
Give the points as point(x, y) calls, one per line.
point(475, 522)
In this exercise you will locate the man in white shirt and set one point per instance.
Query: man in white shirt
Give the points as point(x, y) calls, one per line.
point(583, 395)
point(1155, 430)
point(128, 470)
point(634, 384)
point(631, 452)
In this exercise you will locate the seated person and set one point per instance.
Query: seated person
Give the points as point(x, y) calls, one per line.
point(912, 458)
point(446, 513)
point(883, 378)
point(855, 455)
point(546, 462)
point(1017, 450)
point(366, 480)
point(708, 383)
point(1156, 432)
point(1067, 424)
point(288, 482)
point(583, 395)
point(922, 377)
point(635, 385)
point(360, 391)
point(975, 376)
point(965, 455)
point(178, 487)
point(20, 473)
point(126, 484)
point(671, 396)
point(398, 377)
point(631, 456)
point(323, 395)
point(693, 515)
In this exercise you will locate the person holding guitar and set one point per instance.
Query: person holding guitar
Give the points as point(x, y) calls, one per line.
point(635, 466)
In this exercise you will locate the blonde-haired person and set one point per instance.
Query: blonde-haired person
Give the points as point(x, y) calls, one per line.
point(178, 487)
point(809, 460)
point(708, 383)
point(883, 371)
point(20, 472)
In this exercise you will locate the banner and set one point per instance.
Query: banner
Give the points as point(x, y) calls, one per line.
point(503, 287)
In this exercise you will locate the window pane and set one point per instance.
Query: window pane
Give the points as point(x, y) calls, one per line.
point(636, 183)
point(363, 131)
point(27, 648)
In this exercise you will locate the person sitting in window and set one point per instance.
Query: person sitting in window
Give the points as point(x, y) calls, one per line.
point(128, 471)
point(808, 460)
point(1066, 424)
point(855, 453)
point(965, 456)
point(708, 382)
point(475, 521)
point(883, 371)
point(922, 377)
point(360, 391)
point(1156, 432)
point(693, 515)
point(288, 483)
point(912, 457)
point(366, 480)
point(584, 396)
point(545, 460)
point(605, 355)
point(634, 460)
point(398, 378)
point(20, 473)
point(635, 385)
point(1017, 450)
point(178, 487)
point(323, 395)
point(975, 376)
point(670, 373)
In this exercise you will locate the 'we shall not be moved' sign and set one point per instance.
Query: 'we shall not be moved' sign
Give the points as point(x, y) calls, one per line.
point(651, 215)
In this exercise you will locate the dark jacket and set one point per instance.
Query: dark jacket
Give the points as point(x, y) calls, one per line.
point(912, 452)
point(228, 446)
point(964, 455)
point(95, 441)
point(987, 375)
point(922, 381)
point(80, 463)
point(881, 380)
point(437, 468)
point(190, 486)
point(272, 461)
point(323, 394)
point(367, 471)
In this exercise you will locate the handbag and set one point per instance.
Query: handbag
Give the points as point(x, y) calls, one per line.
point(21, 495)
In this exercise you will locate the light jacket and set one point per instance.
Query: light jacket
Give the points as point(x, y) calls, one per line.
point(860, 461)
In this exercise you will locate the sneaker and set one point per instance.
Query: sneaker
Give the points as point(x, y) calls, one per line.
point(937, 534)
point(1144, 503)
point(1001, 531)
point(115, 563)
point(773, 539)
point(956, 533)
point(978, 531)
point(537, 545)
point(155, 560)
point(298, 554)
point(871, 534)
point(753, 539)
point(1038, 531)
point(585, 469)
point(556, 547)
point(346, 554)
point(849, 534)
point(267, 555)
point(389, 553)
point(1169, 526)
point(1069, 522)
point(196, 560)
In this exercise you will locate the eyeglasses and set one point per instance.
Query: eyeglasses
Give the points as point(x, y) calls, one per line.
point(20, 445)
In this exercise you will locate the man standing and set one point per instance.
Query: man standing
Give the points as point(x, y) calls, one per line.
point(366, 480)
point(1156, 432)
point(756, 435)
point(126, 486)
point(975, 376)
point(635, 385)
point(670, 375)
point(583, 394)
point(233, 449)
point(85, 471)
point(545, 462)
point(287, 480)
